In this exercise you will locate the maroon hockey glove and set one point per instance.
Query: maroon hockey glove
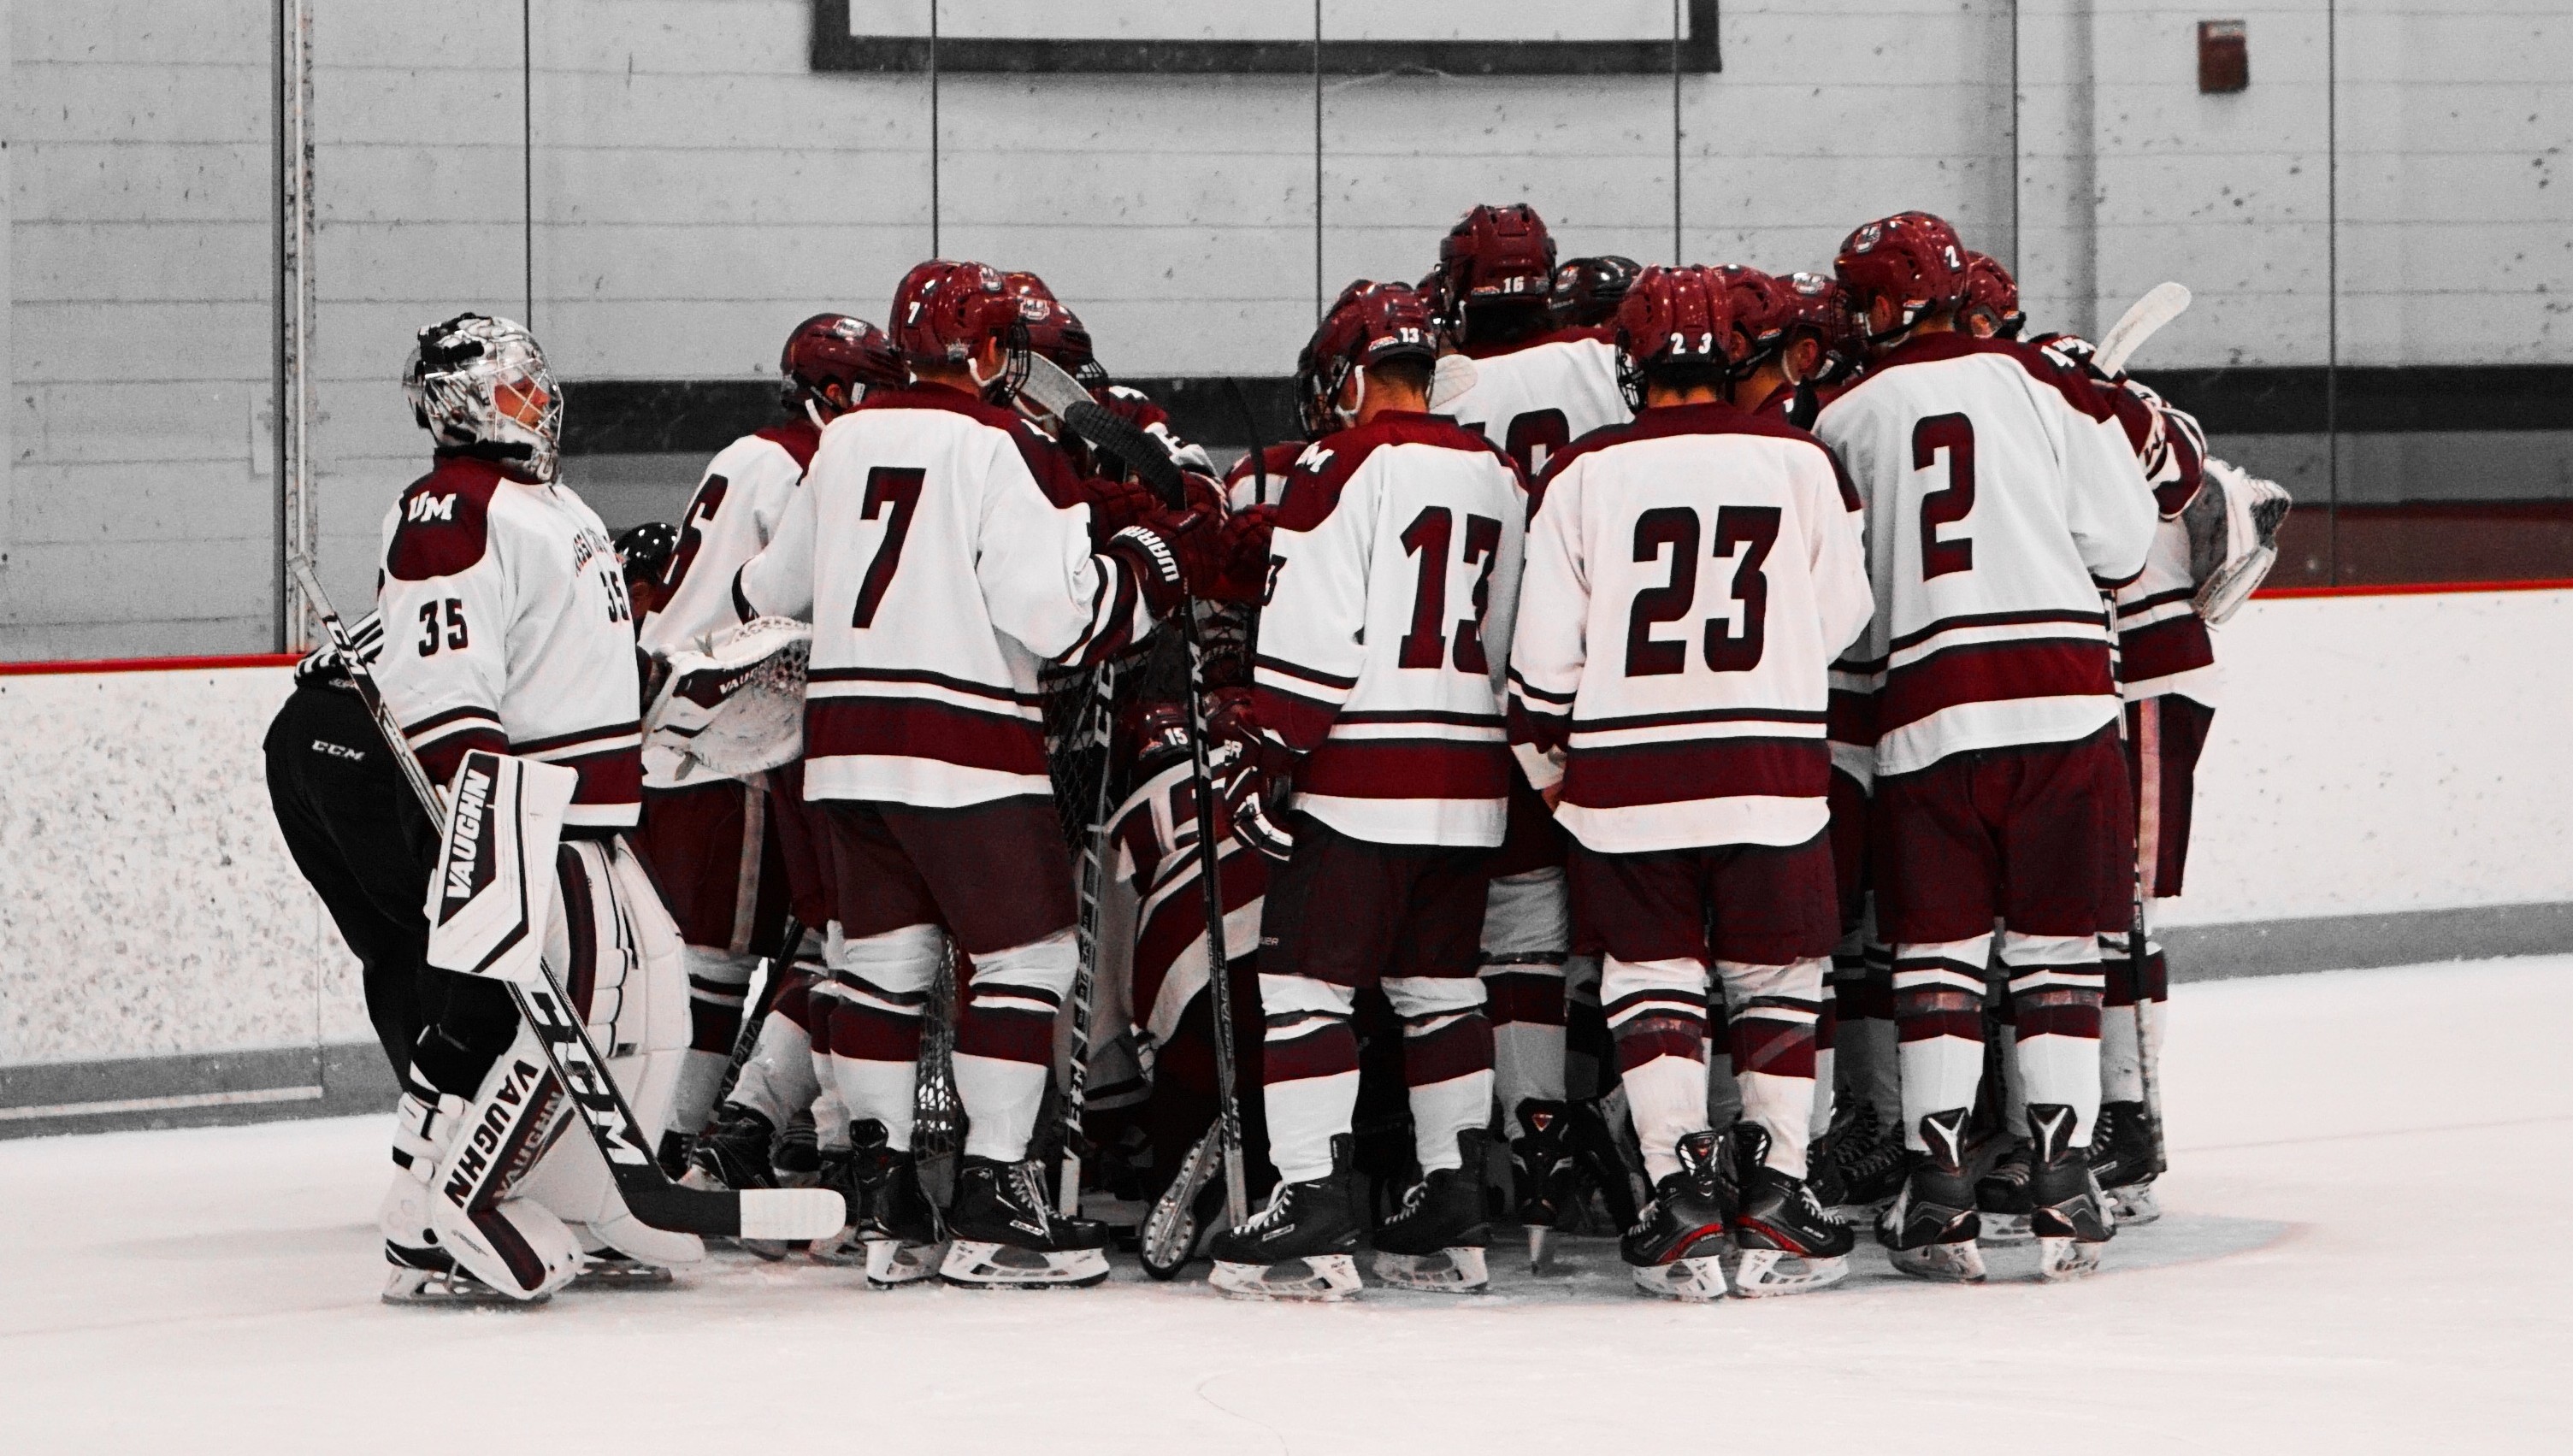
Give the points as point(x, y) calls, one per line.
point(1116, 504)
point(1254, 774)
point(1168, 554)
point(1243, 552)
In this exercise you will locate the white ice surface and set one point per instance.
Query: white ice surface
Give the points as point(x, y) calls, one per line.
point(2365, 1254)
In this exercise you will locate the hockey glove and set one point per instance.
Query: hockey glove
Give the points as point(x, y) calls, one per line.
point(1254, 772)
point(1243, 552)
point(1168, 554)
point(1116, 504)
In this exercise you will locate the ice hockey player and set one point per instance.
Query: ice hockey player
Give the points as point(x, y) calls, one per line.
point(356, 833)
point(643, 555)
point(509, 632)
point(2003, 497)
point(717, 845)
point(942, 555)
point(1155, 832)
point(1373, 767)
point(1690, 577)
point(1537, 387)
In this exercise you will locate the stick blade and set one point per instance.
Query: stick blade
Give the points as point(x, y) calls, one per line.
point(2142, 318)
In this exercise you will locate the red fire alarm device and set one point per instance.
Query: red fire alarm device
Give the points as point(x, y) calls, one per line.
point(2223, 57)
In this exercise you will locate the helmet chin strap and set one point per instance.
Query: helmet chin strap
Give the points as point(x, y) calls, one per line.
point(813, 413)
point(1350, 417)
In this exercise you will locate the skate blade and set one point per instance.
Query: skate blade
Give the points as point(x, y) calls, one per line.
point(2061, 1260)
point(1956, 1263)
point(975, 1264)
point(1766, 1272)
point(2136, 1203)
point(1539, 1240)
point(457, 1291)
point(1697, 1280)
point(1318, 1280)
point(620, 1274)
point(892, 1262)
point(1458, 1270)
point(2006, 1228)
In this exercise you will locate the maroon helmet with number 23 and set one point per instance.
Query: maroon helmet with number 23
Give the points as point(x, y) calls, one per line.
point(1675, 315)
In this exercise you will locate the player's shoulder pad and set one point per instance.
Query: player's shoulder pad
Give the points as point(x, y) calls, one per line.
point(798, 438)
point(2042, 365)
point(444, 524)
point(1328, 466)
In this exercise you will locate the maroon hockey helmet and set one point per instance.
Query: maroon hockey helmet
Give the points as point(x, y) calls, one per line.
point(1055, 333)
point(1762, 307)
point(1586, 291)
point(1497, 254)
point(1823, 306)
point(1372, 324)
point(944, 313)
point(1912, 260)
point(1992, 298)
point(1160, 733)
point(1676, 316)
point(831, 358)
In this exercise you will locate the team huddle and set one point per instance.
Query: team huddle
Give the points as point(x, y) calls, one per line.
point(1676, 752)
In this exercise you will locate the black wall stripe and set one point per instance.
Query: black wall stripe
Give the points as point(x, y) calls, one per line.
point(700, 416)
point(834, 48)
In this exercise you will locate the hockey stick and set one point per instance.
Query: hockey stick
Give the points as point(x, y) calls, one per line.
point(2136, 981)
point(746, 1040)
point(1099, 724)
point(2142, 318)
point(649, 1195)
point(1058, 394)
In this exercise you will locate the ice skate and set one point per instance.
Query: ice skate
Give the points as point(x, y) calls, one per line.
point(734, 1153)
point(2121, 1158)
point(893, 1229)
point(1866, 1166)
point(1601, 1159)
point(1675, 1247)
point(1300, 1246)
point(430, 1278)
point(2000, 1198)
point(1789, 1243)
point(607, 1268)
point(1930, 1228)
point(2067, 1212)
point(1542, 1169)
point(1175, 1228)
point(1005, 1233)
point(1435, 1240)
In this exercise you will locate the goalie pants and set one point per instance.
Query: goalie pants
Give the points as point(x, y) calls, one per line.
point(2165, 736)
point(1765, 917)
point(2035, 837)
point(996, 879)
point(361, 842)
point(1345, 915)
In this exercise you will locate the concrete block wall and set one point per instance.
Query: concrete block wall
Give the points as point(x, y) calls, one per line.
point(697, 188)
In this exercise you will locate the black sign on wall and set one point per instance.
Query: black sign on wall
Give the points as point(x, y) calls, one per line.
point(891, 38)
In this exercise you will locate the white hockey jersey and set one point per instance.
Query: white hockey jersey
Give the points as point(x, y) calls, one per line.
point(507, 627)
point(1393, 589)
point(1690, 578)
point(2001, 498)
point(940, 551)
point(1534, 399)
point(736, 508)
point(1155, 837)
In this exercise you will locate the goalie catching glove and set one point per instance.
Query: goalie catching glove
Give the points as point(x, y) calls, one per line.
point(1254, 773)
point(2233, 537)
point(736, 707)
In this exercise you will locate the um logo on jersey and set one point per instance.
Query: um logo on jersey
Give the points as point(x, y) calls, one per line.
point(431, 508)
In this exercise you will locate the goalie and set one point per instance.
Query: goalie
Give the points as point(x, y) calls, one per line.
point(508, 643)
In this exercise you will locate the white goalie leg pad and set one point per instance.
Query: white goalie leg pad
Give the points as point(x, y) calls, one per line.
point(630, 949)
point(476, 1212)
point(1528, 933)
point(1005, 990)
point(885, 980)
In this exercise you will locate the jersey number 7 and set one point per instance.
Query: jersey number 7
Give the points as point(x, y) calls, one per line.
point(894, 492)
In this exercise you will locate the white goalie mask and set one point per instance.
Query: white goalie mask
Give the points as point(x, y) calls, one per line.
point(480, 386)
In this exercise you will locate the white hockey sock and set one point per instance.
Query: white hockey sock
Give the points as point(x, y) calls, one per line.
point(1939, 1013)
point(779, 1077)
point(1775, 1009)
point(1667, 1098)
point(879, 986)
point(1309, 1059)
point(1443, 1110)
point(1005, 1040)
point(2055, 986)
point(718, 988)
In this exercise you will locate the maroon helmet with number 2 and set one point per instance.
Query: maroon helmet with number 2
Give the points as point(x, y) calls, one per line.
point(1911, 260)
point(830, 360)
point(1675, 315)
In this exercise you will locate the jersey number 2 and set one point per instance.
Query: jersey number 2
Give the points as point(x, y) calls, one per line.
point(1428, 537)
point(892, 492)
point(1954, 434)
